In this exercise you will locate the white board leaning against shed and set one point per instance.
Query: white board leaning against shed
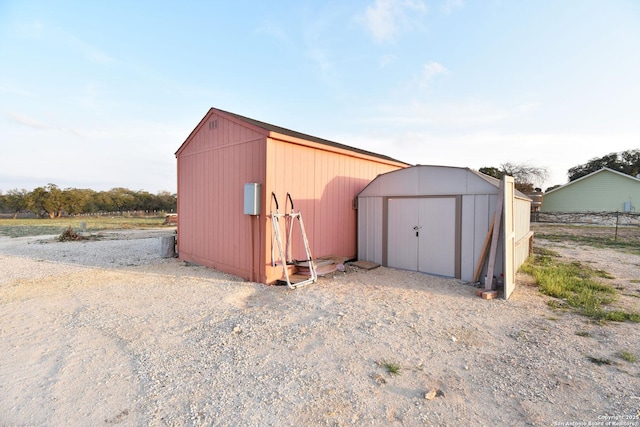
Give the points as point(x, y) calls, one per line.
point(435, 219)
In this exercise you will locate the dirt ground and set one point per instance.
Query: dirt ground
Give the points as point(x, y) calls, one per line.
point(107, 333)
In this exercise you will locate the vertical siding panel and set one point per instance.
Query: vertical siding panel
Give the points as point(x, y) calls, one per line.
point(226, 221)
point(332, 206)
point(325, 199)
point(329, 206)
point(483, 214)
point(341, 203)
point(199, 200)
point(237, 211)
point(193, 202)
point(346, 196)
point(214, 193)
point(217, 213)
point(370, 227)
point(469, 237)
point(224, 132)
point(310, 216)
point(229, 221)
point(242, 218)
point(196, 195)
point(365, 225)
point(232, 212)
point(522, 221)
point(322, 194)
point(269, 160)
point(208, 196)
point(378, 237)
point(223, 202)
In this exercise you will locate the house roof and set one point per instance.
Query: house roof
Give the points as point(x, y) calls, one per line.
point(288, 132)
point(592, 174)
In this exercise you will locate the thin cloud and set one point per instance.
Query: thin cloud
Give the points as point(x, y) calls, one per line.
point(89, 51)
point(60, 36)
point(27, 30)
point(32, 123)
point(468, 114)
point(386, 60)
point(273, 30)
point(316, 42)
point(324, 65)
point(451, 5)
point(97, 56)
point(386, 19)
point(431, 71)
point(12, 90)
point(27, 121)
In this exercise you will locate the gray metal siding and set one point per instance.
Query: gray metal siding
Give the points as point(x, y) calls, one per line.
point(370, 229)
point(477, 196)
point(477, 210)
point(522, 217)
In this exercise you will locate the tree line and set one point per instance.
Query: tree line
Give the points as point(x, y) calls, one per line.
point(526, 177)
point(627, 162)
point(52, 201)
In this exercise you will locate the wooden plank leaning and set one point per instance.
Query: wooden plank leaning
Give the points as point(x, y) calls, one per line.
point(483, 254)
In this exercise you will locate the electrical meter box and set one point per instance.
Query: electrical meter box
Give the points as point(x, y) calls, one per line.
point(252, 198)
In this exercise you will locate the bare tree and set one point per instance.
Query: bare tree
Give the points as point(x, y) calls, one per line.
point(526, 177)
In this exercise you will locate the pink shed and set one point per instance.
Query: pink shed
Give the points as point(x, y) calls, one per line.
point(225, 151)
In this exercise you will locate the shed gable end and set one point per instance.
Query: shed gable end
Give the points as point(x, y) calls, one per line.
point(433, 180)
point(218, 130)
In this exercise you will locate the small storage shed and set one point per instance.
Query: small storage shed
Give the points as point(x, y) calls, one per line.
point(605, 190)
point(225, 152)
point(437, 220)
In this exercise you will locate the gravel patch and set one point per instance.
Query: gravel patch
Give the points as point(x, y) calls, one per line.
point(107, 332)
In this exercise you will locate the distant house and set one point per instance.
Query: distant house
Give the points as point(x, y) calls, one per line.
point(605, 190)
point(225, 152)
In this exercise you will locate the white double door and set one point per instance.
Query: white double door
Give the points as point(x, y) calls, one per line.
point(421, 234)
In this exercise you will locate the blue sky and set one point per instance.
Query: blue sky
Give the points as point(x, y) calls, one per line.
point(100, 94)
